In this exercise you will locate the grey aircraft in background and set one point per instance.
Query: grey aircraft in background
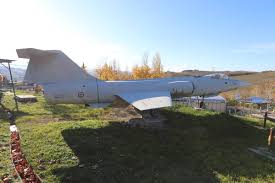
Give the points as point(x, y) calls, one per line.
point(65, 82)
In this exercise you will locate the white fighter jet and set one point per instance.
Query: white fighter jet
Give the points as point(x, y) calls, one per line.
point(65, 82)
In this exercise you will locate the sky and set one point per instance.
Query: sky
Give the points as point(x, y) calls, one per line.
point(188, 34)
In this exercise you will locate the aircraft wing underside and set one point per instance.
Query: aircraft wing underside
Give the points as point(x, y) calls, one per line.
point(148, 100)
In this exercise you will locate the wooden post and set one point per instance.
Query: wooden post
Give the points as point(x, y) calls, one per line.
point(265, 118)
point(270, 139)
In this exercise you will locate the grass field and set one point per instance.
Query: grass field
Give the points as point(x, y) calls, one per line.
point(257, 78)
point(70, 143)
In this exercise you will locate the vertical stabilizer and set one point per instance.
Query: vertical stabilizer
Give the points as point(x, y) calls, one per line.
point(47, 66)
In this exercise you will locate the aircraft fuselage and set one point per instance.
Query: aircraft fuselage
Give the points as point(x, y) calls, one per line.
point(97, 91)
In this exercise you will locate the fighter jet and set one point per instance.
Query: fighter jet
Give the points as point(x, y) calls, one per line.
point(64, 82)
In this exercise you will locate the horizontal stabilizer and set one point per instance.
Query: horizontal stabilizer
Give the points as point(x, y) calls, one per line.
point(148, 100)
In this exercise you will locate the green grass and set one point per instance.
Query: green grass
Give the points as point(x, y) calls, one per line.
point(196, 146)
point(42, 111)
point(5, 162)
point(6, 166)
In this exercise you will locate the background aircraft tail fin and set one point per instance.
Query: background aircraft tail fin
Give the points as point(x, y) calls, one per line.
point(47, 66)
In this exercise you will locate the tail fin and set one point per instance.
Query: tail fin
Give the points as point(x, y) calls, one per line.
point(47, 66)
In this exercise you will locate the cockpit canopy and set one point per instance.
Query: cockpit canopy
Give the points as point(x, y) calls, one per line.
point(218, 76)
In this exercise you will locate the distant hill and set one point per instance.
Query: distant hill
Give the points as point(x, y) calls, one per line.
point(258, 78)
point(202, 73)
point(17, 73)
point(252, 77)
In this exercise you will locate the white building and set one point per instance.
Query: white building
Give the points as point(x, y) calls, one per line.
point(216, 103)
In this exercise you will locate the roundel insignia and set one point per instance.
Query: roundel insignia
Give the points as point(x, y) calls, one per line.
point(80, 94)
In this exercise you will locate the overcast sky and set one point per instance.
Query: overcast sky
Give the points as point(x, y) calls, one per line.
point(191, 34)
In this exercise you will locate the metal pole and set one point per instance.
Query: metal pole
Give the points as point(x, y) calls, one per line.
point(13, 89)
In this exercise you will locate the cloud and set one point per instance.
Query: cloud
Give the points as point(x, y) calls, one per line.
point(257, 48)
point(267, 46)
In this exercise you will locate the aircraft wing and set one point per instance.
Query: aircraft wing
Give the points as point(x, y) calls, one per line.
point(148, 100)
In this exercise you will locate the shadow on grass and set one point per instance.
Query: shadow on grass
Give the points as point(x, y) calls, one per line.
point(3, 112)
point(190, 149)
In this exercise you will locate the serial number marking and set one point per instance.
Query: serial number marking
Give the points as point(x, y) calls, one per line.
point(80, 94)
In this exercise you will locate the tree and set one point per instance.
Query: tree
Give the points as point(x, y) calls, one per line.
point(143, 71)
point(125, 75)
point(157, 68)
point(111, 71)
point(104, 72)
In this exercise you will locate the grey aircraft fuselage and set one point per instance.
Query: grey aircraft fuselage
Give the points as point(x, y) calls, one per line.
point(65, 82)
point(90, 91)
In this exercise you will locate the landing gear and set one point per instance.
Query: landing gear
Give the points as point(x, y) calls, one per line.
point(148, 114)
point(202, 103)
point(153, 112)
point(149, 119)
